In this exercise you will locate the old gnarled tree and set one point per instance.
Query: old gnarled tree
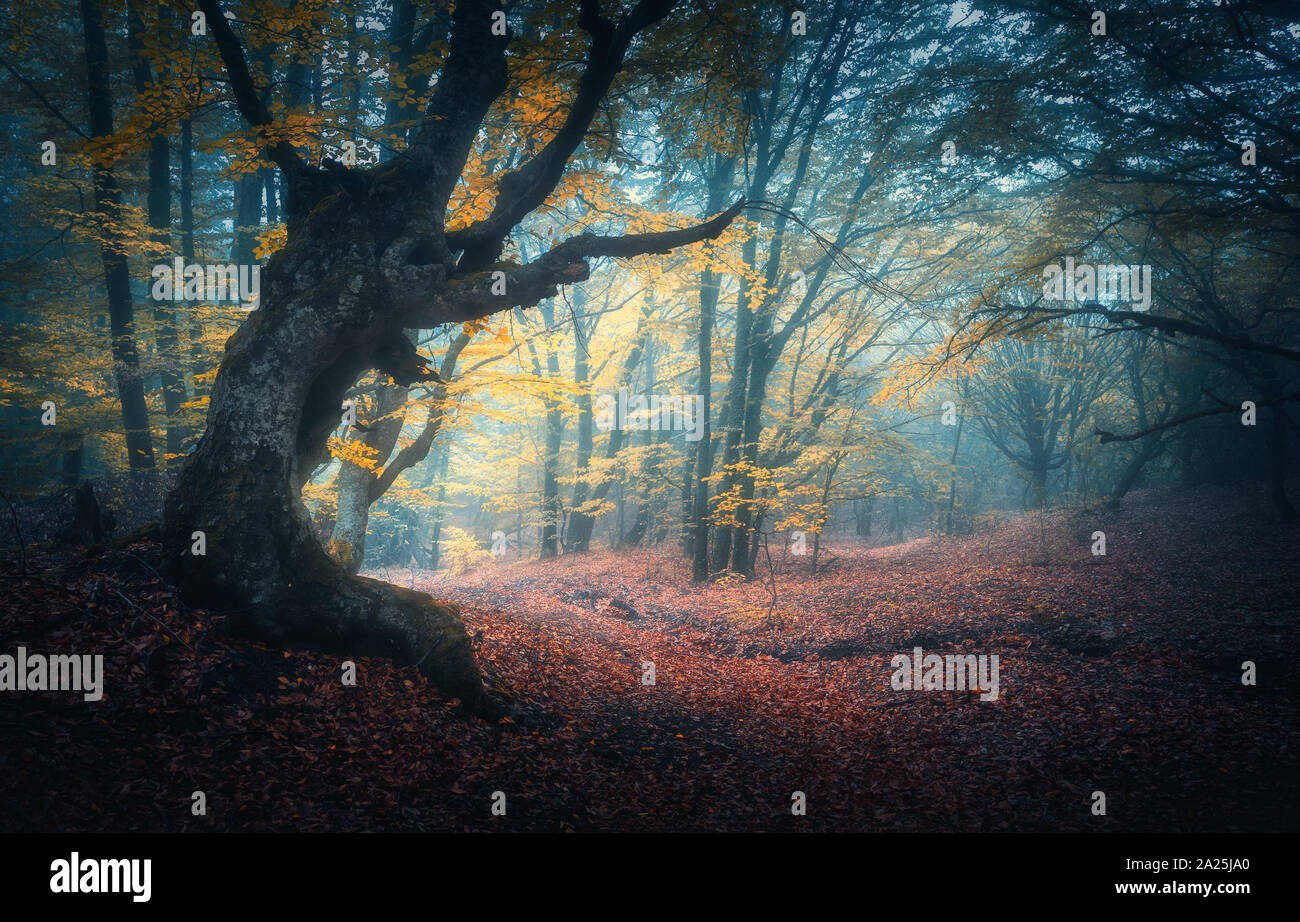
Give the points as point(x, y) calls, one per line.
point(368, 256)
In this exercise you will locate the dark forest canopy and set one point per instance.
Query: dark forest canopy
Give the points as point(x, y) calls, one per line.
point(328, 286)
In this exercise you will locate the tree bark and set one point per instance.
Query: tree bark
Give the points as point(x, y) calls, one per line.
point(586, 445)
point(551, 513)
point(159, 208)
point(709, 290)
point(194, 329)
point(112, 250)
point(762, 362)
point(1150, 448)
point(582, 525)
point(952, 462)
point(359, 488)
point(435, 541)
point(732, 418)
point(266, 434)
point(356, 483)
point(367, 257)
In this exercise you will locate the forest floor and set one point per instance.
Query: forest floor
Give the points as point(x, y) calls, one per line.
point(1118, 673)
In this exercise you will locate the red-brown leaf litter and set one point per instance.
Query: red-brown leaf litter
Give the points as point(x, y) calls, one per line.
point(1119, 673)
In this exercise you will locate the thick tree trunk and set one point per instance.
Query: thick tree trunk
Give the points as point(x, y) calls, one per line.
point(326, 315)
point(368, 256)
point(358, 488)
point(757, 351)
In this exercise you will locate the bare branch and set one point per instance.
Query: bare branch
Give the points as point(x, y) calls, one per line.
point(524, 189)
point(472, 77)
point(1107, 437)
point(31, 88)
point(1141, 320)
point(426, 302)
point(250, 104)
point(418, 450)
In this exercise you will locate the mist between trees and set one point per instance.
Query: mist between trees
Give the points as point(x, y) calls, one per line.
point(908, 268)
